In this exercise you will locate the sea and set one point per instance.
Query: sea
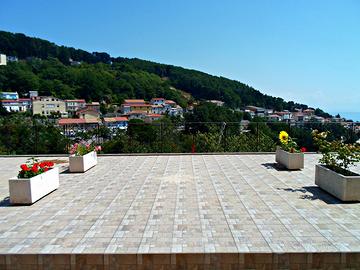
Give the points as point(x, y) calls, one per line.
point(355, 116)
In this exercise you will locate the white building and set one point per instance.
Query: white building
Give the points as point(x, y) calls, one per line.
point(157, 101)
point(3, 61)
point(18, 105)
point(158, 109)
point(33, 94)
point(9, 95)
point(177, 111)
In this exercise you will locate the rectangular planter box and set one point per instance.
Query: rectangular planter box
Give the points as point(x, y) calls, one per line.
point(345, 188)
point(82, 163)
point(29, 190)
point(292, 161)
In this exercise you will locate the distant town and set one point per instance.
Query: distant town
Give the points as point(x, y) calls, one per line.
point(77, 114)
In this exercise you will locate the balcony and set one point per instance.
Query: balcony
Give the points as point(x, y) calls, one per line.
point(220, 211)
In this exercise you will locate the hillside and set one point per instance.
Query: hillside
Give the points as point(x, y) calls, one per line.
point(47, 68)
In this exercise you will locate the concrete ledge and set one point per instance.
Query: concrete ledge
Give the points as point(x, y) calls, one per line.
point(217, 261)
point(152, 154)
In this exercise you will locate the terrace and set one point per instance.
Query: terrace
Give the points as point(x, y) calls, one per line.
point(180, 211)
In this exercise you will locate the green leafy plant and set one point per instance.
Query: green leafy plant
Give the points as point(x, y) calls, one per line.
point(336, 155)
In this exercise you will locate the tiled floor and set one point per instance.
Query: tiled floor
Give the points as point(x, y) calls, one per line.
point(180, 204)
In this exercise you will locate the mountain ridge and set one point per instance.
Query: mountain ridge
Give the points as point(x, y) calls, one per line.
point(119, 76)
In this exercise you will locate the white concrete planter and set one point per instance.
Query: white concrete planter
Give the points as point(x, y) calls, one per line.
point(345, 188)
point(292, 161)
point(29, 190)
point(82, 163)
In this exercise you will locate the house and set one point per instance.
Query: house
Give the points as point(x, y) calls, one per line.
point(153, 117)
point(255, 111)
point(130, 105)
point(88, 113)
point(169, 104)
point(94, 105)
point(33, 94)
point(73, 105)
point(3, 60)
point(216, 102)
point(18, 105)
point(273, 117)
point(9, 95)
point(47, 106)
point(157, 101)
point(73, 125)
point(177, 111)
point(116, 122)
point(74, 63)
point(318, 119)
point(269, 111)
point(137, 115)
point(309, 112)
point(157, 109)
point(285, 115)
point(10, 58)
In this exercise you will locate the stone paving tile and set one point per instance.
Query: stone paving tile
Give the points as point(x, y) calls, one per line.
point(180, 204)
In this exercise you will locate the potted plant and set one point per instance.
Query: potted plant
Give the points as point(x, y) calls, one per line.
point(333, 174)
point(288, 154)
point(83, 156)
point(34, 181)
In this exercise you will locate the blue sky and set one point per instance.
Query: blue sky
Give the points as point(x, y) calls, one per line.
point(306, 51)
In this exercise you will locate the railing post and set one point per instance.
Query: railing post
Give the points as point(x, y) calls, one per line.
point(257, 137)
point(161, 139)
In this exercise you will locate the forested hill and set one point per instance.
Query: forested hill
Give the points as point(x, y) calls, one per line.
point(101, 76)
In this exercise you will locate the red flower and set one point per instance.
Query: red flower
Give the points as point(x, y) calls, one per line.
point(35, 168)
point(303, 149)
point(42, 164)
point(46, 169)
point(50, 164)
point(24, 167)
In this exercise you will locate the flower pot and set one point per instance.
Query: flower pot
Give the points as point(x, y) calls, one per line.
point(345, 188)
point(82, 163)
point(291, 161)
point(29, 190)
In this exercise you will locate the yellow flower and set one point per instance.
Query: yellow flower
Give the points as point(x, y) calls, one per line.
point(284, 137)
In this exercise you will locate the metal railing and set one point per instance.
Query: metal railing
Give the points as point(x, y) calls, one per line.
point(165, 137)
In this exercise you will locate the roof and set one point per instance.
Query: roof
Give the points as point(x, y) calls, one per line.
point(72, 121)
point(87, 109)
point(9, 100)
point(154, 115)
point(283, 113)
point(158, 99)
point(93, 104)
point(75, 100)
point(137, 112)
point(15, 100)
point(3, 92)
point(115, 119)
point(170, 101)
point(134, 101)
point(136, 104)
